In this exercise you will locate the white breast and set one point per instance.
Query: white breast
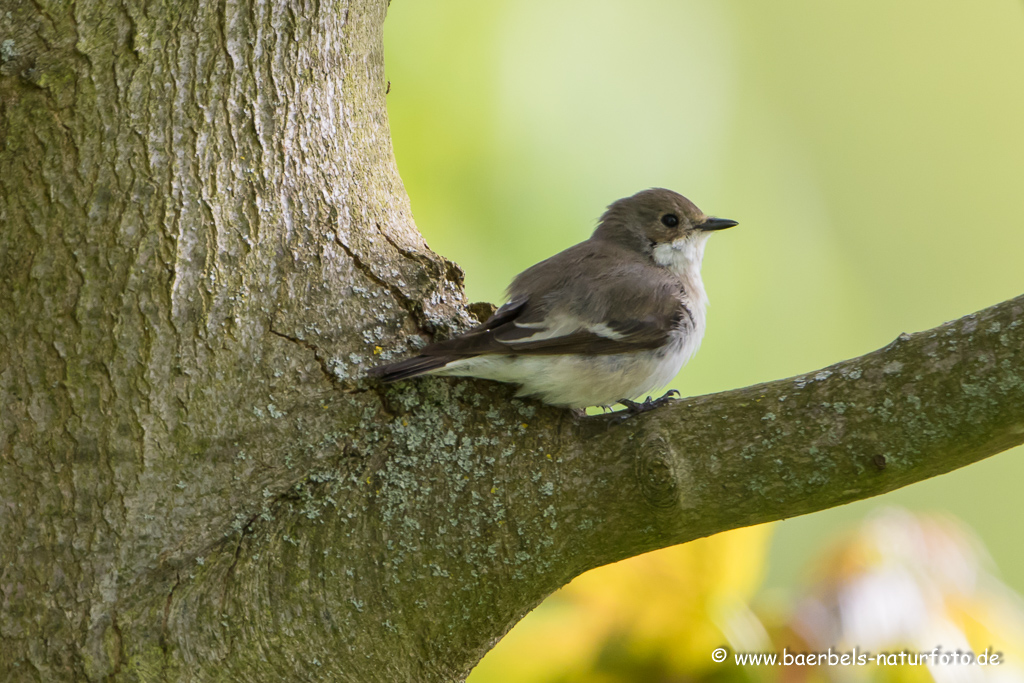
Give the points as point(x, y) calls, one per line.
point(577, 381)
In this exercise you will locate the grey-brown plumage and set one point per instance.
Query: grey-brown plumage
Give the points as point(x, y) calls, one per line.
point(607, 319)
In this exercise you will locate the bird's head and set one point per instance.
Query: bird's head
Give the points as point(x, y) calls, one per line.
point(660, 223)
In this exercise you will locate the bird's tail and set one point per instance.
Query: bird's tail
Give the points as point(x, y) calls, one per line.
point(412, 367)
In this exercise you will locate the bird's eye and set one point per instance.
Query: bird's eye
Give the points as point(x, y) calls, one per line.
point(670, 219)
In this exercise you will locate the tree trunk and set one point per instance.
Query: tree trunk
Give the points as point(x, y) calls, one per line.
point(205, 243)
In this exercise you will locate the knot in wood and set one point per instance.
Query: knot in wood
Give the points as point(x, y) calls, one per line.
point(655, 473)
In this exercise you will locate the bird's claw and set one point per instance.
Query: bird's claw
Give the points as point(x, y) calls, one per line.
point(635, 407)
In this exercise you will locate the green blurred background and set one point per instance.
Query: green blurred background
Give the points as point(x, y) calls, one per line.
point(872, 152)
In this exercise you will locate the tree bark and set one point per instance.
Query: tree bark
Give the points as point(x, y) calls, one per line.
point(205, 244)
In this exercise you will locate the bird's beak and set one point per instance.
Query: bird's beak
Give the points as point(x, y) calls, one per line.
point(717, 224)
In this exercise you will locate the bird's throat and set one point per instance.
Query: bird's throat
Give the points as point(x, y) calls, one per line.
point(683, 256)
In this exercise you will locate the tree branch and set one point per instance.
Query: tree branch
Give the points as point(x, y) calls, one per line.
point(924, 405)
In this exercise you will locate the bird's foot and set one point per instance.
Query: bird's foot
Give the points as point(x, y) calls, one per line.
point(635, 407)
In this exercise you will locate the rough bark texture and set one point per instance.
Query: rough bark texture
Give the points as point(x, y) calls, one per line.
point(204, 243)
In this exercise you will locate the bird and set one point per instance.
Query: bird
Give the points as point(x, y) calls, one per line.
point(600, 323)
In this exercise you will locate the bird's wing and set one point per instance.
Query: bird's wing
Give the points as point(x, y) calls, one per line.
point(620, 310)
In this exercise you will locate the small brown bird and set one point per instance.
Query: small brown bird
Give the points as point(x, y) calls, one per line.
point(600, 323)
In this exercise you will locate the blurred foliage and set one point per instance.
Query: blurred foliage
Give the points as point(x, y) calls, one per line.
point(903, 582)
point(898, 582)
point(652, 618)
point(873, 153)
